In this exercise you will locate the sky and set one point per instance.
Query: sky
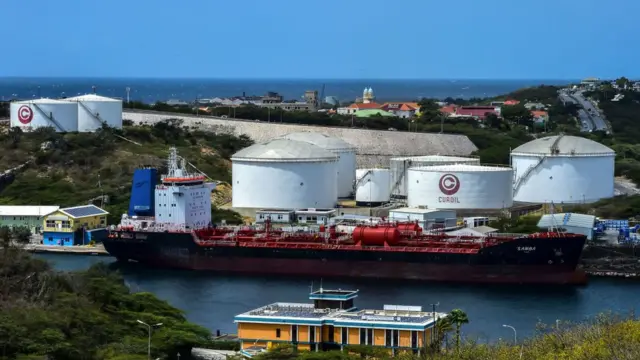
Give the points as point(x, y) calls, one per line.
point(321, 39)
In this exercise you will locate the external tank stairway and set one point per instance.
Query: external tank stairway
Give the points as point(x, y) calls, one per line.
point(553, 149)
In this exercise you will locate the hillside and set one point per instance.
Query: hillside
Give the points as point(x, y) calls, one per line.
point(72, 169)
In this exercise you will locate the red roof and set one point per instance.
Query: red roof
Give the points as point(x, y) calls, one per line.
point(449, 109)
point(476, 111)
point(512, 102)
point(539, 113)
point(364, 106)
point(399, 106)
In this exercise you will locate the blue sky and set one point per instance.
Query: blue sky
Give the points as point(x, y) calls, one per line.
point(464, 39)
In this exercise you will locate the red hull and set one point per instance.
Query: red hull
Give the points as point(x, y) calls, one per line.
point(378, 270)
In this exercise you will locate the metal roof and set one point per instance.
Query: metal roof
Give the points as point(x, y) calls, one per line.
point(567, 219)
point(43, 101)
point(438, 158)
point(461, 168)
point(321, 140)
point(83, 211)
point(565, 145)
point(284, 150)
point(20, 210)
point(92, 97)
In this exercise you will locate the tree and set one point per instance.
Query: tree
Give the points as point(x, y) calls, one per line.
point(492, 120)
point(517, 114)
point(21, 234)
point(442, 327)
point(429, 110)
point(623, 82)
point(458, 318)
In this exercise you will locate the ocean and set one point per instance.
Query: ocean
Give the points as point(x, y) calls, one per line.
point(152, 90)
point(212, 300)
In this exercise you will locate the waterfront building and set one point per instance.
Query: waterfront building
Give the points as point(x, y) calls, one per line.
point(74, 225)
point(28, 216)
point(332, 322)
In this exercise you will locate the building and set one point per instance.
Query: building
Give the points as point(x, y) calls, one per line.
point(276, 216)
point(315, 216)
point(402, 109)
point(460, 186)
point(448, 110)
point(289, 106)
point(346, 157)
point(73, 226)
point(311, 97)
point(426, 218)
point(284, 174)
point(570, 222)
point(540, 116)
point(372, 187)
point(367, 96)
point(60, 115)
point(511, 102)
point(478, 112)
point(332, 322)
point(373, 112)
point(562, 169)
point(27, 216)
point(351, 109)
point(94, 111)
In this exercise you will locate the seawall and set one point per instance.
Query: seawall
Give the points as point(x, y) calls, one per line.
point(374, 147)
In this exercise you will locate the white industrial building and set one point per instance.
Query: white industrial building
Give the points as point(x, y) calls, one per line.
point(32, 114)
point(372, 186)
point(284, 174)
point(570, 222)
point(460, 186)
point(345, 151)
point(95, 110)
point(400, 165)
point(427, 218)
point(562, 169)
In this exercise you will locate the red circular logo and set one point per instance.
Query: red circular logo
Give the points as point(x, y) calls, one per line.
point(25, 114)
point(449, 184)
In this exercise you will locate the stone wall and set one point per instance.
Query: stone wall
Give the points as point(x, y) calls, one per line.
point(374, 147)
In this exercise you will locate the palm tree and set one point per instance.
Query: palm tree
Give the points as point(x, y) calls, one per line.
point(442, 327)
point(458, 317)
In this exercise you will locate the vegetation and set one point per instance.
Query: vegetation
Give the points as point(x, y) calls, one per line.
point(606, 337)
point(73, 169)
point(91, 314)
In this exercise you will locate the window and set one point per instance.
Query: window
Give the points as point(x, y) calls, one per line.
point(278, 333)
point(261, 217)
point(344, 335)
point(387, 338)
point(294, 333)
point(66, 224)
point(314, 218)
point(279, 217)
point(312, 334)
point(414, 339)
point(396, 340)
point(51, 223)
point(369, 336)
point(363, 336)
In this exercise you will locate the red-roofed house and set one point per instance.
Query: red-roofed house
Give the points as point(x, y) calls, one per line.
point(351, 109)
point(479, 112)
point(448, 110)
point(511, 102)
point(539, 115)
point(403, 110)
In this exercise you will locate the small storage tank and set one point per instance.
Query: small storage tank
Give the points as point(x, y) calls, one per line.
point(346, 157)
point(372, 186)
point(95, 110)
point(32, 114)
point(460, 187)
point(409, 228)
point(400, 165)
point(376, 236)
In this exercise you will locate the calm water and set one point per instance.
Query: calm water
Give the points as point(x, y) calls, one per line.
point(212, 300)
point(151, 90)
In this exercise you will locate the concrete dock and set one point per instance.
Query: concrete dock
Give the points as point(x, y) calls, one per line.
point(71, 250)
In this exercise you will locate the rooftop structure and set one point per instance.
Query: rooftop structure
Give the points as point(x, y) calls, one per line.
point(27, 210)
point(571, 222)
point(284, 150)
point(82, 211)
point(563, 145)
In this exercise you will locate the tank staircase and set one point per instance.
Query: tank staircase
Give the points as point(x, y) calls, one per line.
point(359, 182)
point(49, 117)
point(553, 150)
point(95, 116)
point(396, 185)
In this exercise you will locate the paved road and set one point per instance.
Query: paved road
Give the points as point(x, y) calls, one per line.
point(593, 112)
point(585, 121)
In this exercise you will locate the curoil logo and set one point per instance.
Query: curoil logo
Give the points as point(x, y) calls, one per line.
point(449, 184)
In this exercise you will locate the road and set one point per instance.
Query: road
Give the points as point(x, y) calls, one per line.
point(590, 117)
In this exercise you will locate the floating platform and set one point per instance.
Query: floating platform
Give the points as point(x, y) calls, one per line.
point(71, 250)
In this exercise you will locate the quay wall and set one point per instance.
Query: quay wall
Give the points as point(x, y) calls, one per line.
point(374, 147)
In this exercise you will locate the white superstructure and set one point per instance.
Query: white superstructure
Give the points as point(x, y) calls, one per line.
point(32, 114)
point(345, 151)
point(460, 186)
point(561, 168)
point(284, 174)
point(400, 165)
point(95, 110)
point(372, 185)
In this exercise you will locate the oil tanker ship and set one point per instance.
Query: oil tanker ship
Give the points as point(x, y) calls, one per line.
point(169, 225)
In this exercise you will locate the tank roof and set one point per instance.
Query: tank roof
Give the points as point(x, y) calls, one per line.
point(436, 158)
point(461, 168)
point(284, 150)
point(43, 101)
point(321, 140)
point(92, 97)
point(566, 145)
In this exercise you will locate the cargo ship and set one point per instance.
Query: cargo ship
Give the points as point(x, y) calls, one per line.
point(169, 225)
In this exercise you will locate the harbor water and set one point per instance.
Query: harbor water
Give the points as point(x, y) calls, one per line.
point(212, 300)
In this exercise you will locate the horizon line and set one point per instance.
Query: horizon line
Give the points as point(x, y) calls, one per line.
point(287, 78)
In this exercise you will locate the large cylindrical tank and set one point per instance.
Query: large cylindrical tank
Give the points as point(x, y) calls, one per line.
point(346, 157)
point(372, 186)
point(32, 114)
point(400, 166)
point(563, 169)
point(95, 110)
point(460, 187)
point(376, 236)
point(284, 174)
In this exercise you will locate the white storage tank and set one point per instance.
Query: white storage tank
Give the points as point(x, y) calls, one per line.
point(562, 169)
point(372, 186)
point(94, 110)
point(460, 186)
point(346, 161)
point(32, 114)
point(400, 165)
point(284, 174)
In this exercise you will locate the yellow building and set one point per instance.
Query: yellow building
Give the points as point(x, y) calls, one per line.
point(70, 226)
point(332, 322)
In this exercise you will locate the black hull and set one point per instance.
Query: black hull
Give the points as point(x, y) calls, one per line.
point(523, 260)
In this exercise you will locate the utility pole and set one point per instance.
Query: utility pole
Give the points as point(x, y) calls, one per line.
point(435, 329)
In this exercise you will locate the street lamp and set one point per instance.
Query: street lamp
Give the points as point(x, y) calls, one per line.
point(149, 343)
point(515, 337)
